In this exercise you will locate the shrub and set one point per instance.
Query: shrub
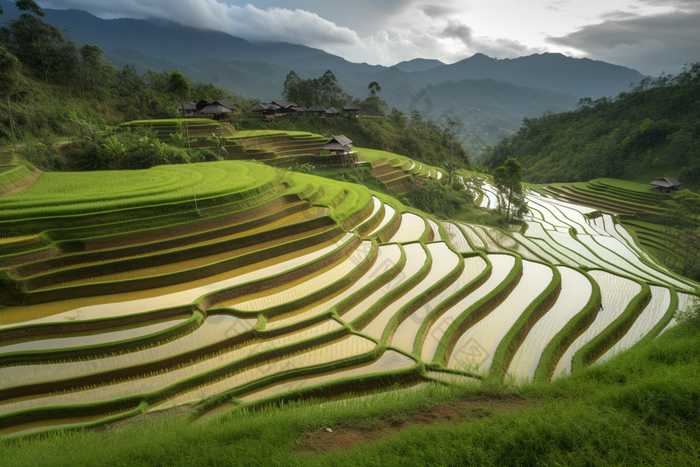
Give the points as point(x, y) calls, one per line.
point(690, 316)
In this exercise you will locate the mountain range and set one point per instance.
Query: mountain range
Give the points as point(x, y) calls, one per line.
point(490, 95)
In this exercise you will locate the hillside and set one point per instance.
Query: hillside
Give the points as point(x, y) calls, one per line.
point(538, 83)
point(650, 132)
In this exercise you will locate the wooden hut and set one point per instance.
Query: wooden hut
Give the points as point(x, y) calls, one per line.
point(188, 109)
point(201, 104)
point(316, 110)
point(341, 152)
point(224, 103)
point(665, 185)
point(265, 110)
point(216, 112)
point(352, 109)
point(332, 112)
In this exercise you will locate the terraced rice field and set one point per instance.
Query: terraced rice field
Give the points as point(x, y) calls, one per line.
point(224, 285)
point(488, 333)
point(457, 238)
point(411, 230)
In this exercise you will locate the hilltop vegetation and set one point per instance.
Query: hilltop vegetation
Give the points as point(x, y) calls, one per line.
point(649, 132)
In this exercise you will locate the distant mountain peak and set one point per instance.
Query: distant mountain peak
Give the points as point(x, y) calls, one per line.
point(418, 64)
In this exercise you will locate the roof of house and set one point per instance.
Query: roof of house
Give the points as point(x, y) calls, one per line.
point(352, 107)
point(201, 104)
point(215, 109)
point(316, 108)
point(187, 106)
point(666, 182)
point(262, 106)
point(332, 110)
point(285, 104)
point(225, 103)
point(298, 108)
point(341, 140)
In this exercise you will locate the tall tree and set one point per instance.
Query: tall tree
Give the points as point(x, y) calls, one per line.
point(180, 88)
point(374, 105)
point(511, 197)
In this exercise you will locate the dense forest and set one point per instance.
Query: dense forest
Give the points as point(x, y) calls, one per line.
point(649, 132)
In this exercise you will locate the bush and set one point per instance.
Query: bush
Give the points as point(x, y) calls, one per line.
point(42, 155)
point(438, 199)
point(690, 317)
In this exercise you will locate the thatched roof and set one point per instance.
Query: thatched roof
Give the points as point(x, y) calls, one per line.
point(228, 104)
point(351, 107)
point(215, 109)
point(285, 104)
point(316, 108)
point(332, 111)
point(261, 107)
point(342, 139)
point(189, 106)
point(201, 104)
point(339, 143)
point(298, 109)
point(666, 182)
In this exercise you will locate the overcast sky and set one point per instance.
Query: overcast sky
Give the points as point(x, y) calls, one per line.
point(651, 36)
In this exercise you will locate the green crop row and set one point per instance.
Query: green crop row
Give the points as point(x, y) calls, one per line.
point(402, 314)
point(557, 346)
point(84, 270)
point(360, 269)
point(375, 309)
point(519, 331)
point(125, 403)
point(597, 346)
point(476, 312)
point(194, 321)
point(70, 193)
point(107, 288)
point(17, 177)
point(150, 241)
point(451, 301)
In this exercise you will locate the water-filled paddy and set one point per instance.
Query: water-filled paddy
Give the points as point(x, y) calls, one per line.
point(616, 293)
point(488, 333)
point(502, 265)
point(575, 292)
point(182, 294)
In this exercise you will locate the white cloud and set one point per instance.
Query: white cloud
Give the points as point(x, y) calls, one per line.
point(249, 22)
point(493, 47)
point(649, 43)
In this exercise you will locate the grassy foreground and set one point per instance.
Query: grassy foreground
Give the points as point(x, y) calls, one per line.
point(640, 408)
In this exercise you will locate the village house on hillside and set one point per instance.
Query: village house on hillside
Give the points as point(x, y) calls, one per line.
point(665, 185)
point(341, 152)
point(219, 109)
point(352, 109)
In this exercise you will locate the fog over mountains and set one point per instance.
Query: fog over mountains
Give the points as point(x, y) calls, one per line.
point(491, 96)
